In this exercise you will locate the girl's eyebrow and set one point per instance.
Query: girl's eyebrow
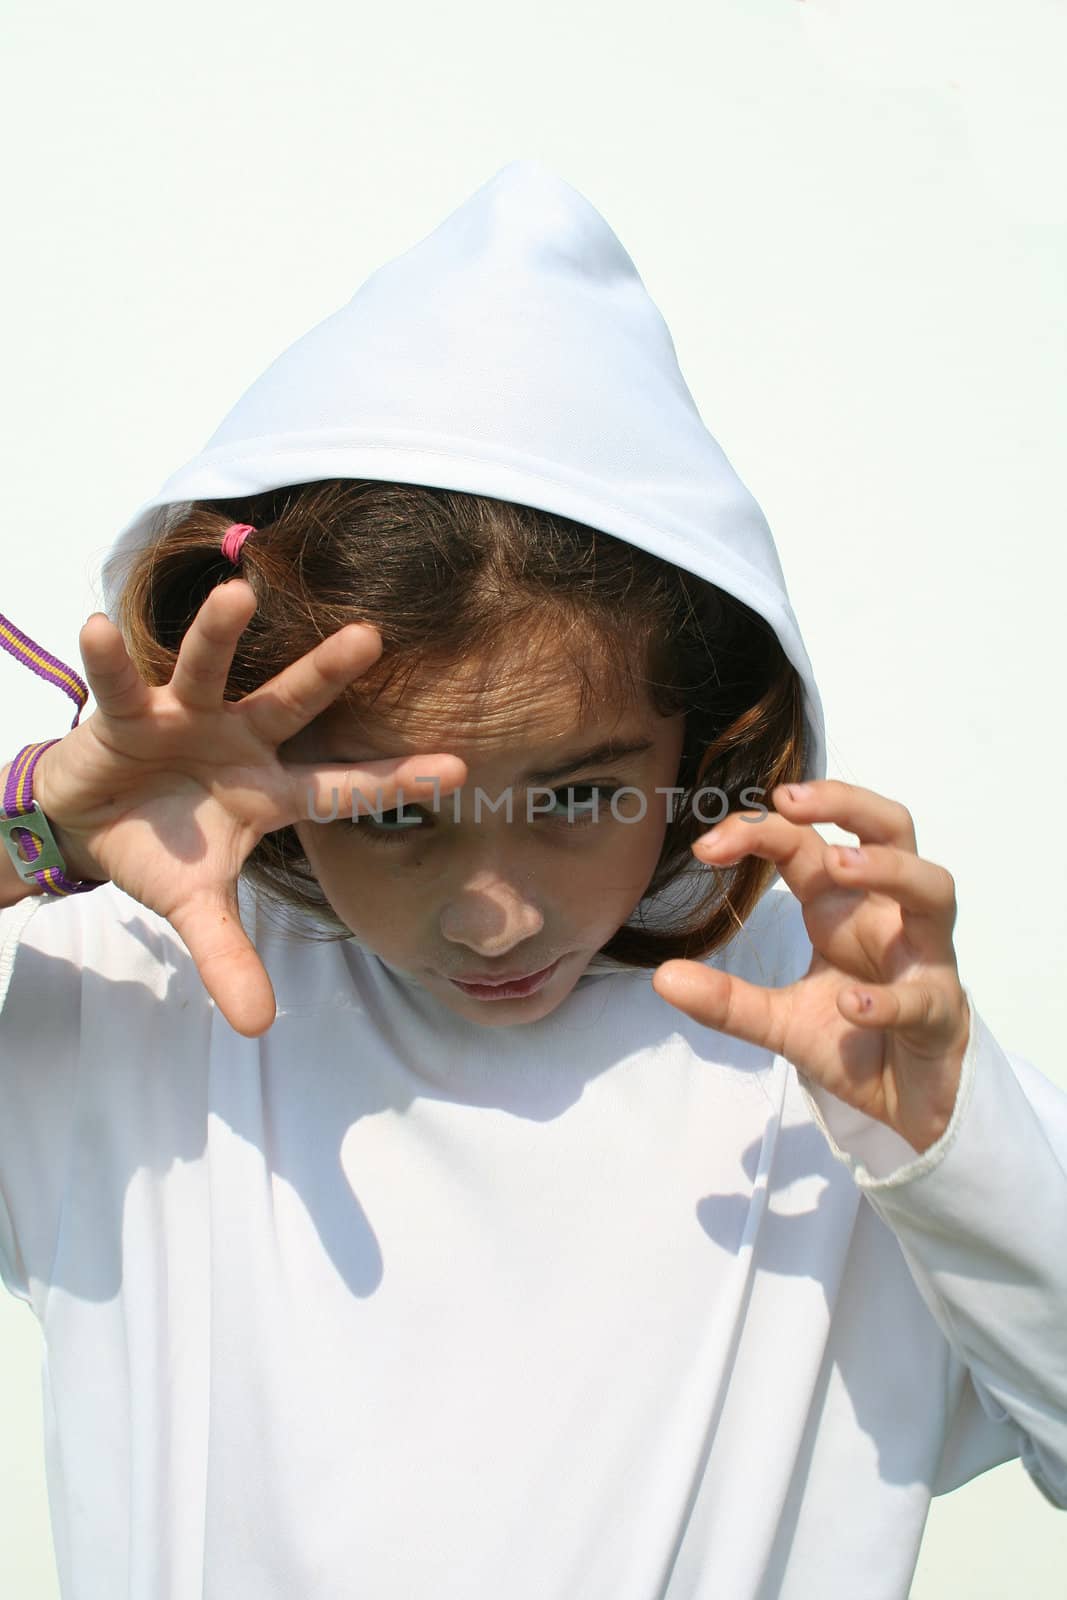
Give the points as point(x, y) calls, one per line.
point(597, 755)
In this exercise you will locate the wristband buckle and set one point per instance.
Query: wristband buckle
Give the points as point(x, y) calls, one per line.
point(35, 822)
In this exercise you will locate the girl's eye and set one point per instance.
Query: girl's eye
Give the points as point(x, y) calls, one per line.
point(577, 805)
point(581, 803)
point(391, 826)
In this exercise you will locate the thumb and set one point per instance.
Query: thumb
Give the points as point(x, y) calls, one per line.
point(719, 1000)
point(227, 961)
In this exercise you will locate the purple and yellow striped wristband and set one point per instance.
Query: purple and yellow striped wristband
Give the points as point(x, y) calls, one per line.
point(24, 828)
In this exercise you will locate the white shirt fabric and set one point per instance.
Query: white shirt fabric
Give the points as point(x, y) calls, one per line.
point(608, 1305)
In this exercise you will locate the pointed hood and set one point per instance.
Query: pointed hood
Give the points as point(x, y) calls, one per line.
point(513, 352)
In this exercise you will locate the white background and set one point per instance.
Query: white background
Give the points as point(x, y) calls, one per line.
point(853, 216)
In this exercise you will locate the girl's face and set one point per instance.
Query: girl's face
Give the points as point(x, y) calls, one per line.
point(460, 897)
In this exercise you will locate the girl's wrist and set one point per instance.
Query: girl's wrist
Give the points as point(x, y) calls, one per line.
point(80, 866)
point(78, 863)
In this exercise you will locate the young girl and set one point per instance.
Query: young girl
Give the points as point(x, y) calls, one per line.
point(442, 1159)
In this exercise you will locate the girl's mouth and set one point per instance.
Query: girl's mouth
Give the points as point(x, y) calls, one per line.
point(509, 988)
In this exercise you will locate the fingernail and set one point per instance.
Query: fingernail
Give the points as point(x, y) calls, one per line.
point(711, 845)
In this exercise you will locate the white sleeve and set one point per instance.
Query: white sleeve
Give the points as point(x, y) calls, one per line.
point(40, 990)
point(981, 1219)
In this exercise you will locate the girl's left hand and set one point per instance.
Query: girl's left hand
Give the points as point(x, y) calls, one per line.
point(880, 1018)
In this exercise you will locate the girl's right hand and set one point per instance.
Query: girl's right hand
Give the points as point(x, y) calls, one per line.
point(167, 791)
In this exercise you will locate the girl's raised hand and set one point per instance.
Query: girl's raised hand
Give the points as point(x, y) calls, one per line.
point(880, 1018)
point(166, 791)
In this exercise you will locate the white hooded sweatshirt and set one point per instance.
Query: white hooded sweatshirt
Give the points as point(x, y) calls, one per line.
point(608, 1306)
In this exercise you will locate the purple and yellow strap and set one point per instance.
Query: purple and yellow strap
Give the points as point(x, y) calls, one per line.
point(24, 649)
point(36, 854)
point(41, 860)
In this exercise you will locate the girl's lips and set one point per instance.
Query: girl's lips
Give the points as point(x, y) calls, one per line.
point(511, 988)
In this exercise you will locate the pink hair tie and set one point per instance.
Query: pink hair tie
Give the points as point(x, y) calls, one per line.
point(234, 538)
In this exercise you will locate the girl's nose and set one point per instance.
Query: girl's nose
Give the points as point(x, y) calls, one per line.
point(490, 916)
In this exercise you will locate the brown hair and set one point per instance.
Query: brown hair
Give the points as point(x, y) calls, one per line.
point(445, 575)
